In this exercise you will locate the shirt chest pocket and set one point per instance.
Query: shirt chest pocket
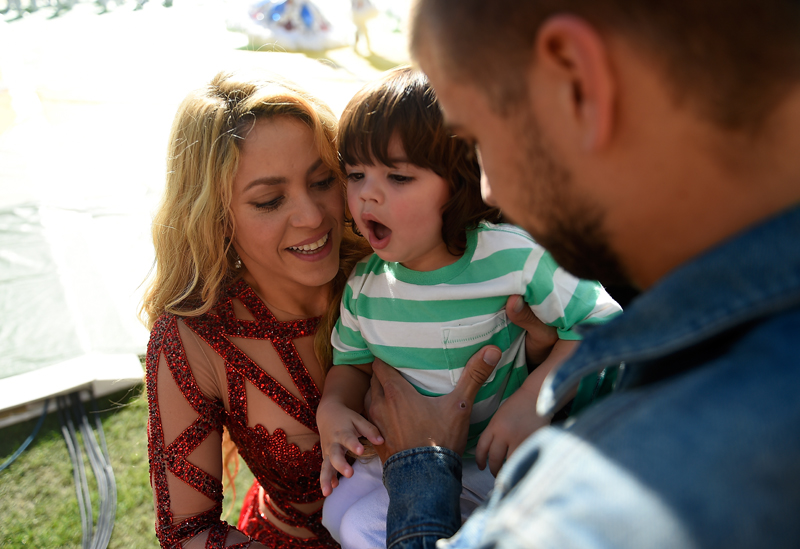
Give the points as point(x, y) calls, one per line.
point(462, 341)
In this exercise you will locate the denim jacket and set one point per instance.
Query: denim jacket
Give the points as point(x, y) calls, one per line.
point(699, 445)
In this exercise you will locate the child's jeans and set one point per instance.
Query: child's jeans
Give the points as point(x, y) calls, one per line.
point(355, 513)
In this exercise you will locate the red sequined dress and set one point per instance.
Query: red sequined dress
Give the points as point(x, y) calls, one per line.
point(236, 366)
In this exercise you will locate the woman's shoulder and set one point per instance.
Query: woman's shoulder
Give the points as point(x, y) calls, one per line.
point(162, 325)
point(164, 329)
point(170, 320)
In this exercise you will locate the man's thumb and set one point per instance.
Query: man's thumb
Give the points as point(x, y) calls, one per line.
point(517, 312)
point(477, 371)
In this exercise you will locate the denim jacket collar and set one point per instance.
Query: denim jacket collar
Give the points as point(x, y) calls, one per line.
point(751, 275)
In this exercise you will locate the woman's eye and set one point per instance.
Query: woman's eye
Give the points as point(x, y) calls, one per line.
point(269, 206)
point(325, 183)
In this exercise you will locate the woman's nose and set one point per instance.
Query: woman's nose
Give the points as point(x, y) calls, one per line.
point(309, 212)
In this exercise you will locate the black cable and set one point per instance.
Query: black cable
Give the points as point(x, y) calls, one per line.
point(106, 486)
point(71, 411)
point(28, 440)
point(105, 522)
point(108, 523)
point(89, 444)
point(88, 526)
point(78, 473)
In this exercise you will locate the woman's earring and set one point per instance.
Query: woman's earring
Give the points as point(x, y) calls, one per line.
point(237, 261)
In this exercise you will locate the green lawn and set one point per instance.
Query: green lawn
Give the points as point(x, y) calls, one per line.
point(38, 505)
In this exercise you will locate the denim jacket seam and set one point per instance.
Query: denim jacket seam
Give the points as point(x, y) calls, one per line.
point(682, 339)
point(423, 450)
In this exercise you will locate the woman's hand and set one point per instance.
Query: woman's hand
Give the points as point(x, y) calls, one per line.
point(408, 419)
point(539, 337)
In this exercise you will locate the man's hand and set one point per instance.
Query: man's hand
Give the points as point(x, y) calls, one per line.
point(408, 419)
point(539, 337)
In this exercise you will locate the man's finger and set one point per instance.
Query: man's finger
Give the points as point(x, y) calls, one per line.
point(375, 394)
point(539, 337)
point(385, 374)
point(475, 374)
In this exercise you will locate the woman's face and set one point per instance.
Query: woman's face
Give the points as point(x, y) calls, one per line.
point(287, 207)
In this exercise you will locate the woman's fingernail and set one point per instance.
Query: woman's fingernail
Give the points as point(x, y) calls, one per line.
point(491, 357)
point(519, 304)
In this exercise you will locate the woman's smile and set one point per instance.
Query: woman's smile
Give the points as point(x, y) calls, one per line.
point(316, 250)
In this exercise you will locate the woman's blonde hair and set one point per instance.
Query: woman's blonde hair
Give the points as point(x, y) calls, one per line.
point(193, 258)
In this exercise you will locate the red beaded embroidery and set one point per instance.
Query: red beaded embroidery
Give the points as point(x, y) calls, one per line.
point(286, 474)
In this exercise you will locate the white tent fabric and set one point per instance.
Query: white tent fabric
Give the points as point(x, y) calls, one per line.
point(66, 306)
point(86, 102)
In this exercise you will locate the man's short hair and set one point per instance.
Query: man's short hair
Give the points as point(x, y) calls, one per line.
point(729, 60)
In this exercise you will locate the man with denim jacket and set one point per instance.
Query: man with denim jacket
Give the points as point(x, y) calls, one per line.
point(654, 143)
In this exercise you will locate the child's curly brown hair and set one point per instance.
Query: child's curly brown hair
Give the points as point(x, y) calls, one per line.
point(403, 103)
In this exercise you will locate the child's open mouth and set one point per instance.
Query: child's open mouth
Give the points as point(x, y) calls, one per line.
point(378, 234)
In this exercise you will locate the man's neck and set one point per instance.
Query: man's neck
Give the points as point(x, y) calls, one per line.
point(717, 186)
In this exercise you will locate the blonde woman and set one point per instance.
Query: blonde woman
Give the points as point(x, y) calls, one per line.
point(251, 247)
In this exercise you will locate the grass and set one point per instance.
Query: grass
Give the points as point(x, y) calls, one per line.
point(37, 492)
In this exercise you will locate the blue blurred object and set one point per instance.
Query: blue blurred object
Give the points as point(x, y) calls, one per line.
point(306, 15)
point(298, 25)
point(277, 12)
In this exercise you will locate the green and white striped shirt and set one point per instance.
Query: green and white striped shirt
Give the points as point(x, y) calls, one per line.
point(428, 324)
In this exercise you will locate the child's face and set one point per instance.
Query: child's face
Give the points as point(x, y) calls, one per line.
point(399, 210)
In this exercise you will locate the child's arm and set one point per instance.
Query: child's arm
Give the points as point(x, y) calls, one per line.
point(516, 418)
point(340, 422)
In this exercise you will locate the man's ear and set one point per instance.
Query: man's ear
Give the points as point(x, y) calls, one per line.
point(571, 61)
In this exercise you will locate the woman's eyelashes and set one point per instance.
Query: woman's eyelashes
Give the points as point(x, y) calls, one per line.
point(270, 205)
point(274, 203)
point(326, 183)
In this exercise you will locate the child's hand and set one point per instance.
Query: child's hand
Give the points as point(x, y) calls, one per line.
point(339, 429)
point(513, 422)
